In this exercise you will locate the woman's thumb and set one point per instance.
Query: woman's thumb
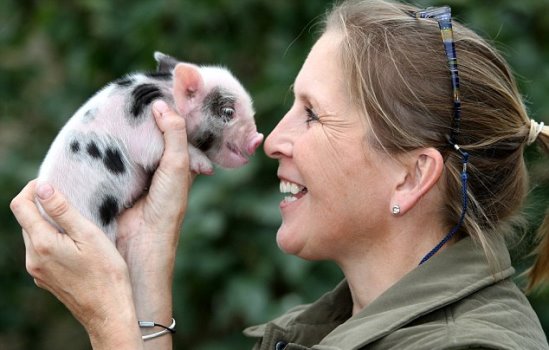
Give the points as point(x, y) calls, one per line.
point(59, 210)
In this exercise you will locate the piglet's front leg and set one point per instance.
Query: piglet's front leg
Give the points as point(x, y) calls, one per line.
point(198, 162)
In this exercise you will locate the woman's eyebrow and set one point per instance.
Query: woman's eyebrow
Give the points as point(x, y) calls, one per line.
point(303, 96)
point(307, 99)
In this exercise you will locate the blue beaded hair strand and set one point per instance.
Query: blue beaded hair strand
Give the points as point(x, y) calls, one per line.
point(443, 15)
point(464, 176)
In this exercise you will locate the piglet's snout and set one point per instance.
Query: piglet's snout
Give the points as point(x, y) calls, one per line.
point(254, 143)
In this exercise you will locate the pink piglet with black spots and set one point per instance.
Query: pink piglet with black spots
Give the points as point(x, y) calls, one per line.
point(104, 157)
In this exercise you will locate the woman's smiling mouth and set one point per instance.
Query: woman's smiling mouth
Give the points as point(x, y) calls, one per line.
point(296, 191)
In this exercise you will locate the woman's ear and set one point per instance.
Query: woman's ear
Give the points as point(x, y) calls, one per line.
point(423, 168)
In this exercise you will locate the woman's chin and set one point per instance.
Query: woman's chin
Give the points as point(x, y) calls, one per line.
point(286, 241)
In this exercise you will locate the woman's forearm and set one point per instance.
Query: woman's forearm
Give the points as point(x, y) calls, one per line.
point(152, 294)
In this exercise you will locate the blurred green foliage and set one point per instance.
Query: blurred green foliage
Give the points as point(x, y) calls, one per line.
point(229, 274)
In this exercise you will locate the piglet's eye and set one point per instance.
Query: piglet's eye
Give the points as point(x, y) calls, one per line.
point(227, 113)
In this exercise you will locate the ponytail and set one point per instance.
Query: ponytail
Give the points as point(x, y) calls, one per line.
point(539, 272)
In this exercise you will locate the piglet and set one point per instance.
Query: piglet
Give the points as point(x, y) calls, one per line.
point(104, 157)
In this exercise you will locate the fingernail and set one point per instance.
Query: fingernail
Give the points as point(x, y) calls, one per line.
point(44, 191)
point(160, 106)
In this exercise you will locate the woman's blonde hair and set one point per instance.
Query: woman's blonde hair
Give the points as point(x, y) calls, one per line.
point(397, 74)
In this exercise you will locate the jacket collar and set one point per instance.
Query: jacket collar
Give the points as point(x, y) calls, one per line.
point(453, 274)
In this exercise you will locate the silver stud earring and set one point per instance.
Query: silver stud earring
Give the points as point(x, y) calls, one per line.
point(396, 209)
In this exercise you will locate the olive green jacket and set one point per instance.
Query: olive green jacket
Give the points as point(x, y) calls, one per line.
point(453, 301)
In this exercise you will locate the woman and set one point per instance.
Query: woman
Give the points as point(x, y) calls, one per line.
point(386, 169)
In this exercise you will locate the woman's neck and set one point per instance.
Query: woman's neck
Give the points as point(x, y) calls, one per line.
point(385, 262)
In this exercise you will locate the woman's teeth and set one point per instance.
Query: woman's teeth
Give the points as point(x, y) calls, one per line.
point(296, 191)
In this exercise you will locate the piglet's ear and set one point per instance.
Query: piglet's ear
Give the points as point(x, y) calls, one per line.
point(188, 87)
point(165, 63)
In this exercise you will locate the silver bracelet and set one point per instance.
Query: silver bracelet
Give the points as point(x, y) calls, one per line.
point(151, 324)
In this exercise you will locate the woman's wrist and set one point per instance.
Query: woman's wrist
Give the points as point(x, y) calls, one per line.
point(151, 266)
point(118, 332)
point(149, 252)
point(114, 323)
point(152, 295)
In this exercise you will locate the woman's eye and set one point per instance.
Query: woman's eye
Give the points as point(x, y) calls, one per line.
point(311, 115)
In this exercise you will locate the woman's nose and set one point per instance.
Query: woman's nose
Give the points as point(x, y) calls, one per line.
point(279, 142)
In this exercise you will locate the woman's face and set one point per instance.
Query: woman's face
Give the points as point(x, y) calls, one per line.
point(337, 187)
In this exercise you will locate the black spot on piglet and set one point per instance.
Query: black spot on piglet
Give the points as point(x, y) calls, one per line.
point(113, 161)
point(89, 115)
point(126, 81)
point(108, 209)
point(93, 150)
point(75, 146)
point(143, 95)
point(159, 75)
point(205, 141)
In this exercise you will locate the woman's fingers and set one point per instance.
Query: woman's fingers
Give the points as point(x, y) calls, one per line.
point(22, 206)
point(55, 204)
point(27, 214)
point(172, 125)
point(37, 231)
point(167, 197)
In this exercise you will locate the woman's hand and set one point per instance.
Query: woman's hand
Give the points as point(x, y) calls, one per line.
point(152, 225)
point(81, 268)
point(107, 289)
point(148, 233)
